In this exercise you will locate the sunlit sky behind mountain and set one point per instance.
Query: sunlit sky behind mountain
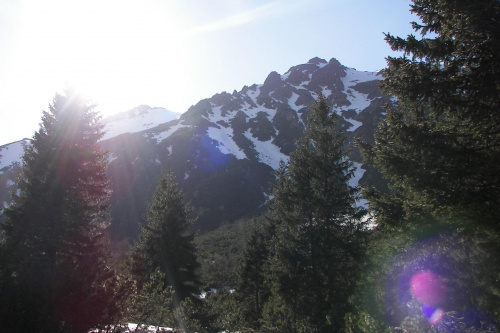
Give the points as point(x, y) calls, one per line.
point(173, 53)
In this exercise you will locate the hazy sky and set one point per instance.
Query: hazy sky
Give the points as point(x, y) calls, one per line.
point(173, 53)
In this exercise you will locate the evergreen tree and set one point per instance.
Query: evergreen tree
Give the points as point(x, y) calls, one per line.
point(316, 246)
point(439, 145)
point(251, 289)
point(439, 149)
point(155, 303)
point(164, 243)
point(54, 253)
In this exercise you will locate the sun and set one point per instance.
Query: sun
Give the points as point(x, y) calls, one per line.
point(106, 49)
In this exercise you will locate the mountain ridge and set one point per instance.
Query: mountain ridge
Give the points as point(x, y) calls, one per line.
point(224, 149)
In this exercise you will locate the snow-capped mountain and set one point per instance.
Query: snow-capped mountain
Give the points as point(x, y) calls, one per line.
point(224, 150)
point(135, 120)
point(12, 153)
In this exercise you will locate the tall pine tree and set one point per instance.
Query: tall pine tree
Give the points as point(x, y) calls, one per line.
point(54, 253)
point(439, 148)
point(317, 227)
point(165, 243)
point(251, 288)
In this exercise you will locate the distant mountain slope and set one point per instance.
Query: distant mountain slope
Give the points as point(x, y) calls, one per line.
point(137, 119)
point(224, 150)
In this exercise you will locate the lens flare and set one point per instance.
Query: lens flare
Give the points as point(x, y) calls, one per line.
point(212, 159)
point(433, 314)
point(428, 288)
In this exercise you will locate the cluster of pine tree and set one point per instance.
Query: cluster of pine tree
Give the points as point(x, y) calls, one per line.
point(56, 270)
point(423, 257)
point(429, 262)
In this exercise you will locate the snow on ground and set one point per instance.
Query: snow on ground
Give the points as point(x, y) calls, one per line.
point(267, 152)
point(136, 120)
point(12, 153)
point(131, 328)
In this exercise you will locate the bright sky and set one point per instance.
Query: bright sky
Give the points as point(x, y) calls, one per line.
point(173, 53)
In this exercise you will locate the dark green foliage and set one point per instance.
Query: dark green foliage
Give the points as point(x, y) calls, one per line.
point(53, 265)
point(252, 289)
point(439, 149)
point(316, 228)
point(363, 323)
point(460, 258)
point(218, 253)
point(156, 303)
point(225, 312)
point(164, 266)
point(440, 145)
point(164, 243)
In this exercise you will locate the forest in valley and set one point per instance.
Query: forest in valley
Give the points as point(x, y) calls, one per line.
point(423, 255)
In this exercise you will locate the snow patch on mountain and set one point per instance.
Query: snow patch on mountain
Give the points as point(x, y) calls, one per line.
point(354, 181)
point(293, 100)
point(358, 174)
point(254, 93)
point(359, 101)
point(12, 153)
point(355, 124)
point(138, 119)
point(111, 158)
point(135, 120)
point(267, 152)
point(159, 137)
point(224, 136)
point(326, 91)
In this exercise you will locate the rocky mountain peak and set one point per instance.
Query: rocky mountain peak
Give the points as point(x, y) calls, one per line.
point(224, 149)
point(273, 81)
point(316, 61)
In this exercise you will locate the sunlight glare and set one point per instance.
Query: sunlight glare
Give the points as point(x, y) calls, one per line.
point(104, 48)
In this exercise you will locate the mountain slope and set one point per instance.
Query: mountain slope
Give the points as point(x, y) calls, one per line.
point(224, 150)
point(135, 120)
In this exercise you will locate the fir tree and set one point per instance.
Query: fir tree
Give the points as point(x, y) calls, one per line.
point(54, 253)
point(165, 244)
point(439, 149)
point(316, 246)
point(439, 146)
point(251, 289)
